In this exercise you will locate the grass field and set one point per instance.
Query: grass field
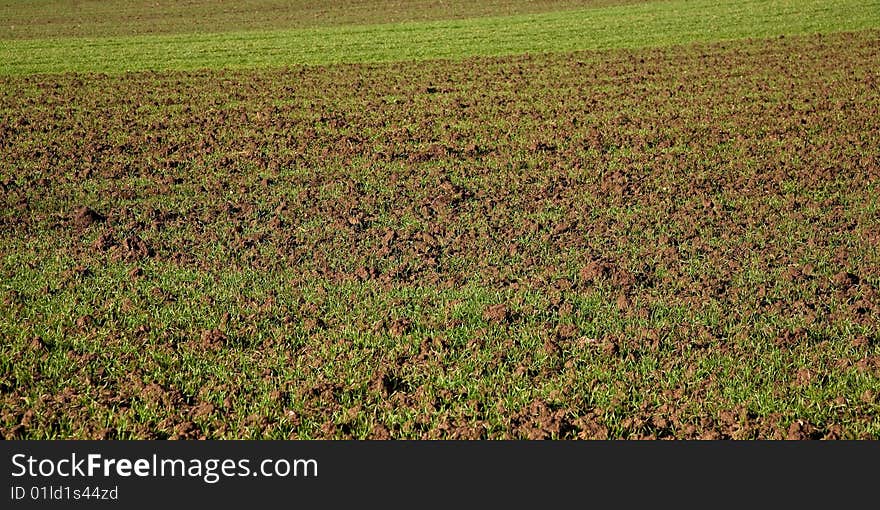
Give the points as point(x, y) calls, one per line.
point(619, 26)
point(65, 18)
point(650, 220)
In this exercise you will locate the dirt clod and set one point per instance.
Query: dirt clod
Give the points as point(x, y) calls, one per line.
point(85, 217)
point(134, 248)
point(496, 314)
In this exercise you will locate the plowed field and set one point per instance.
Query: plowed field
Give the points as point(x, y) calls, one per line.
point(653, 243)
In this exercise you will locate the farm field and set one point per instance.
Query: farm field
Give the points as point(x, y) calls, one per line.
point(676, 238)
point(91, 18)
point(633, 25)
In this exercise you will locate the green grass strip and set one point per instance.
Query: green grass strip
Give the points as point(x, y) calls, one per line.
point(628, 26)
